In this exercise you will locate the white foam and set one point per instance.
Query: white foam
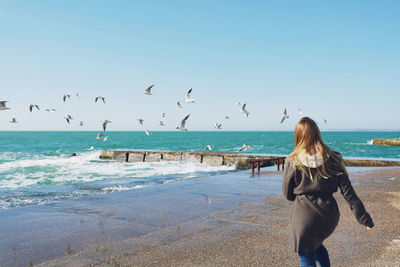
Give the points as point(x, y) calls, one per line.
point(115, 189)
point(370, 142)
point(87, 167)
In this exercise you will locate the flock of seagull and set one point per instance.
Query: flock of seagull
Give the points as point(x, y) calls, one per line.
point(180, 127)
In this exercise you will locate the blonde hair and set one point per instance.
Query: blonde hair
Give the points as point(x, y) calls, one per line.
point(308, 141)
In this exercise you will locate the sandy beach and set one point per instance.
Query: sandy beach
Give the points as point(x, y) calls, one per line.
point(226, 220)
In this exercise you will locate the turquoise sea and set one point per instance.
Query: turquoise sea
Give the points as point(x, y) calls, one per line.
point(37, 167)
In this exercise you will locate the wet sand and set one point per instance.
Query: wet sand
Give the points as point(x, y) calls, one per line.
point(231, 220)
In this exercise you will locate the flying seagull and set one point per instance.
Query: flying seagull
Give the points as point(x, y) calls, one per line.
point(81, 123)
point(324, 121)
point(50, 110)
point(65, 97)
point(140, 121)
point(99, 136)
point(148, 90)
point(226, 117)
point(13, 120)
point(300, 112)
point(105, 122)
point(179, 105)
point(68, 118)
point(218, 126)
point(77, 96)
point(31, 106)
point(188, 99)
point(3, 105)
point(243, 110)
point(100, 97)
point(285, 115)
point(208, 147)
point(161, 123)
point(105, 138)
point(182, 126)
point(146, 132)
point(244, 147)
point(163, 114)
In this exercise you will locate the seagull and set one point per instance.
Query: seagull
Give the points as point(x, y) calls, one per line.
point(226, 117)
point(285, 115)
point(244, 147)
point(99, 136)
point(324, 121)
point(161, 123)
point(182, 126)
point(100, 97)
point(68, 118)
point(148, 90)
point(243, 110)
point(179, 105)
point(3, 105)
point(218, 126)
point(81, 123)
point(208, 147)
point(140, 121)
point(50, 110)
point(146, 132)
point(13, 120)
point(163, 114)
point(188, 99)
point(105, 122)
point(77, 96)
point(65, 97)
point(105, 139)
point(31, 106)
point(300, 112)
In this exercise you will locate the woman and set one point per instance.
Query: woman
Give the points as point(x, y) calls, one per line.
point(312, 174)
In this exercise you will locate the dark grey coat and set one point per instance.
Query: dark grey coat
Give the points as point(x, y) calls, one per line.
point(315, 213)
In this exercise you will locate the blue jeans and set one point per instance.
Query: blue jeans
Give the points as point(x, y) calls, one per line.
point(321, 256)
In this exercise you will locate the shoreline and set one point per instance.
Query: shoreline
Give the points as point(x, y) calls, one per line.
point(229, 221)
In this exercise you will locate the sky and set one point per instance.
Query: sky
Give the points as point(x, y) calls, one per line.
point(338, 60)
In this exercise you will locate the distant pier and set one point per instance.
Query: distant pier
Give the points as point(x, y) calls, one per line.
point(239, 160)
point(386, 141)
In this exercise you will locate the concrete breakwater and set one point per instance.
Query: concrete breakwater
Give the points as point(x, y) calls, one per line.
point(241, 161)
point(387, 142)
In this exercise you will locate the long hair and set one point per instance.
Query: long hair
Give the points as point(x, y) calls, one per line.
point(308, 141)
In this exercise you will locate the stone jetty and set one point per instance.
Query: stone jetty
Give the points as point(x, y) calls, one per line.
point(386, 142)
point(239, 160)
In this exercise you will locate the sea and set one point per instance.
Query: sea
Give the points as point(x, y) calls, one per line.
point(38, 167)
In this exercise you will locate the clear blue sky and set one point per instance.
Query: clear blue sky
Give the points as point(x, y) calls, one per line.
point(336, 59)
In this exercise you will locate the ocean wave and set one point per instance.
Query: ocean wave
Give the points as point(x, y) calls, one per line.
point(86, 167)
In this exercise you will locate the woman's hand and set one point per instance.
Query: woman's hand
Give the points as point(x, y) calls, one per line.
point(368, 228)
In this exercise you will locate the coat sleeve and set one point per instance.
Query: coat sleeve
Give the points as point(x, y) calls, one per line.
point(354, 202)
point(288, 181)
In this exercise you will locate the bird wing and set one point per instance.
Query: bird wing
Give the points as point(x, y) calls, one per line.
point(149, 88)
point(104, 125)
point(183, 122)
point(283, 118)
point(97, 98)
point(285, 112)
point(188, 93)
